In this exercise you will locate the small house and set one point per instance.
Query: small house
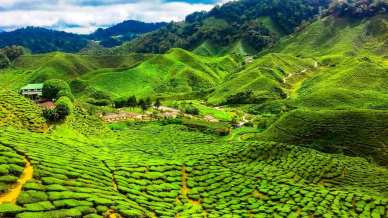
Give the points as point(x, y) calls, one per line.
point(32, 91)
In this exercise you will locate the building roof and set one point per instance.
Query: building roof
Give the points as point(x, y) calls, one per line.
point(33, 86)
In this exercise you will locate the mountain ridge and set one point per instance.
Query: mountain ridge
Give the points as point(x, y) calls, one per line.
point(43, 40)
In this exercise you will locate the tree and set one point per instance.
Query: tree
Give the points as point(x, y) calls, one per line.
point(65, 105)
point(50, 115)
point(4, 61)
point(64, 108)
point(13, 52)
point(120, 103)
point(148, 101)
point(66, 93)
point(62, 112)
point(158, 103)
point(51, 88)
point(132, 102)
point(143, 105)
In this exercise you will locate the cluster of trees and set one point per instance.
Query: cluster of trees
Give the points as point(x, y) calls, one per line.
point(232, 21)
point(63, 108)
point(132, 102)
point(9, 54)
point(55, 88)
point(60, 92)
point(358, 8)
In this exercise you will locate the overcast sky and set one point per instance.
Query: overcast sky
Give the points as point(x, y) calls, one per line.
point(84, 16)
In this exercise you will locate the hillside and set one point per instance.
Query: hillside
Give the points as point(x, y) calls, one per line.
point(177, 71)
point(351, 76)
point(257, 23)
point(122, 32)
point(292, 122)
point(42, 40)
point(17, 111)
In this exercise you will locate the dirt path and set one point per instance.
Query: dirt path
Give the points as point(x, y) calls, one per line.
point(184, 189)
point(14, 192)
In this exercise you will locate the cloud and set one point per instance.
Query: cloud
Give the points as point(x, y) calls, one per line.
point(84, 16)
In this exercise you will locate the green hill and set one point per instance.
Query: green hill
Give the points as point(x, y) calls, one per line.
point(19, 112)
point(342, 102)
point(263, 80)
point(259, 23)
point(57, 65)
point(177, 71)
point(353, 132)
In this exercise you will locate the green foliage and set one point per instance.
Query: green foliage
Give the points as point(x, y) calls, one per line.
point(13, 52)
point(120, 103)
point(66, 103)
point(358, 8)
point(63, 108)
point(189, 108)
point(132, 101)
point(143, 104)
point(54, 89)
point(353, 132)
point(19, 112)
point(4, 61)
point(229, 23)
point(157, 103)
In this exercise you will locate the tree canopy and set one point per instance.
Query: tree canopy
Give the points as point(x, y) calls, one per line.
point(236, 20)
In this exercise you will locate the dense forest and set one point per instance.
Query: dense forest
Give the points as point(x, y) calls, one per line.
point(122, 32)
point(236, 20)
point(41, 40)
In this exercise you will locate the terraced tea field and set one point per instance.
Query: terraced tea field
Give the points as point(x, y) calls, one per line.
point(18, 111)
point(154, 170)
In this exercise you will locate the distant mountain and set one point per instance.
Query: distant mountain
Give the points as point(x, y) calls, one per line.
point(125, 31)
point(42, 40)
point(257, 23)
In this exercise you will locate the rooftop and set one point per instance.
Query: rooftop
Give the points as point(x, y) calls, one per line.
point(33, 86)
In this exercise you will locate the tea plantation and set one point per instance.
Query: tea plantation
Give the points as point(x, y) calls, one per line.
point(298, 130)
point(159, 170)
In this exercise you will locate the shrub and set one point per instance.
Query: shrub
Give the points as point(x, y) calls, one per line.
point(120, 103)
point(158, 103)
point(190, 109)
point(78, 86)
point(8, 208)
point(66, 103)
point(99, 102)
point(65, 93)
point(132, 101)
point(51, 88)
point(64, 107)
